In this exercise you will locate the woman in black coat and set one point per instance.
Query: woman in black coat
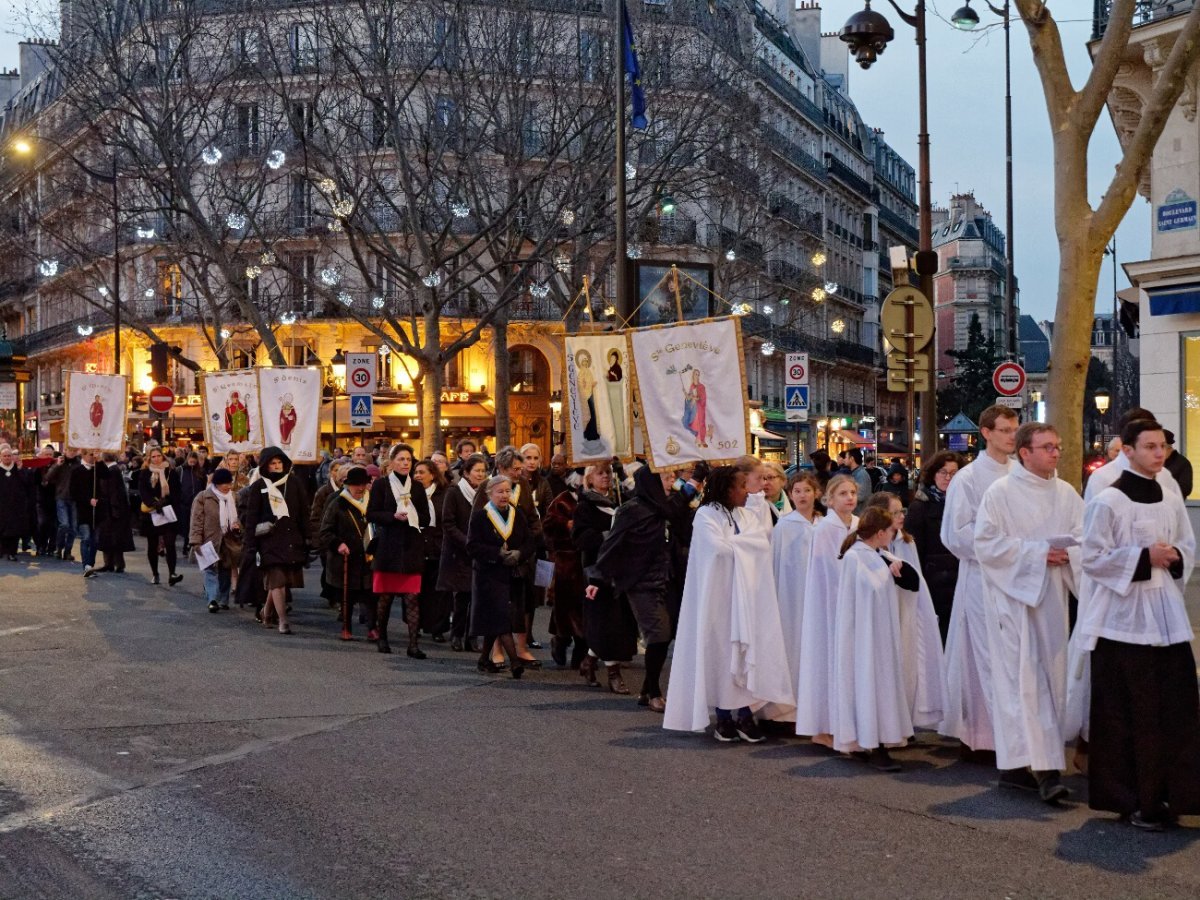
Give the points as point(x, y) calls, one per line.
point(343, 542)
point(454, 567)
point(399, 511)
point(924, 523)
point(498, 541)
point(435, 604)
point(192, 482)
point(158, 489)
point(276, 528)
point(115, 533)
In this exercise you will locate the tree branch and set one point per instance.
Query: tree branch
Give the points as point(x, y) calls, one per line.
point(1048, 56)
point(1105, 63)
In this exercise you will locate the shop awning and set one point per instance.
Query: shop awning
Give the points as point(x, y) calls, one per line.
point(397, 416)
point(768, 436)
point(1174, 300)
point(853, 437)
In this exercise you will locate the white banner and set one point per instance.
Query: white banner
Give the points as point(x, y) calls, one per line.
point(95, 410)
point(692, 385)
point(291, 410)
point(599, 408)
point(232, 412)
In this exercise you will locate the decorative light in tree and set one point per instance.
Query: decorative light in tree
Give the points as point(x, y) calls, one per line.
point(226, 334)
point(84, 330)
point(818, 258)
point(784, 302)
point(610, 311)
point(378, 302)
point(831, 287)
point(539, 291)
point(562, 263)
point(331, 275)
point(634, 251)
point(48, 268)
point(384, 349)
point(343, 207)
point(327, 186)
point(144, 233)
point(276, 159)
point(210, 155)
point(346, 299)
point(432, 280)
point(287, 318)
point(740, 309)
point(334, 225)
point(459, 209)
point(819, 294)
point(267, 258)
point(102, 290)
point(730, 255)
point(768, 309)
point(236, 221)
point(568, 217)
point(837, 326)
point(253, 272)
point(630, 170)
point(768, 348)
point(148, 293)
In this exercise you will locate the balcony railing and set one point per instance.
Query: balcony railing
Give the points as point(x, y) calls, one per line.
point(905, 229)
point(792, 94)
point(1144, 12)
point(847, 176)
point(807, 220)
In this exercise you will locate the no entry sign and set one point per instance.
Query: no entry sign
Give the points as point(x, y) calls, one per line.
point(1008, 379)
point(161, 398)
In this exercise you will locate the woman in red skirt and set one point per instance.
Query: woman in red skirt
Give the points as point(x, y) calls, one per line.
point(397, 511)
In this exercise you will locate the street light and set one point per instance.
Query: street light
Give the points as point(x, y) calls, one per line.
point(1102, 399)
point(337, 370)
point(965, 17)
point(867, 34)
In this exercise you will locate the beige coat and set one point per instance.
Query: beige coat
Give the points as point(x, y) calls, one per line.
point(205, 525)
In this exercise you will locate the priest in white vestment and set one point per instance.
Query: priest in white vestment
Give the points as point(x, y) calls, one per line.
point(1027, 537)
point(968, 671)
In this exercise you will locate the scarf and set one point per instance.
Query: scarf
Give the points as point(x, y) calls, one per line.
point(783, 505)
point(8, 470)
point(503, 527)
point(361, 506)
point(429, 491)
point(937, 496)
point(159, 479)
point(402, 492)
point(467, 491)
point(226, 508)
point(274, 492)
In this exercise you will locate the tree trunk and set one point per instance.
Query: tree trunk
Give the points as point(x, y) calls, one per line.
point(431, 411)
point(1078, 277)
point(501, 381)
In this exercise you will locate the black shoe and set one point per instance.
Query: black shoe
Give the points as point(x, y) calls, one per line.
point(1050, 787)
point(533, 645)
point(156, 581)
point(12, 557)
point(487, 668)
point(726, 732)
point(1140, 822)
point(558, 651)
point(224, 606)
point(383, 645)
point(748, 730)
point(881, 760)
point(438, 638)
point(530, 663)
point(456, 645)
point(518, 670)
point(1018, 779)
point(174, 579)
point(213, 607)
point(416, 653)
point(120, 570)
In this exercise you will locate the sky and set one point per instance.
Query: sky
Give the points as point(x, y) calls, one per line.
point(966, 125)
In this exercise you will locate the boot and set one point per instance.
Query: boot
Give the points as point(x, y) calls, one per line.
point(579, 652)
point(587, 669)
point(412, 618)
point(616, 683)
point(382, 615)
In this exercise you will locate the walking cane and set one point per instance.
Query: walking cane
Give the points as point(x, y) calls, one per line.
point(346, 635)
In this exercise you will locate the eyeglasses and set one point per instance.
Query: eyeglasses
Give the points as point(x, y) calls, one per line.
point(1049, 448)
point(946, 473)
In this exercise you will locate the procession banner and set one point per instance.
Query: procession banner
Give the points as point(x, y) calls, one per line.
point(291, 410)
point(599, 407)
point(95, 411)
point(232, 412)
point(691, 381)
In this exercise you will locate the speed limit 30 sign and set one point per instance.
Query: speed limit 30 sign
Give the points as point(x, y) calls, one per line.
point(797, 368)
point(361, 369)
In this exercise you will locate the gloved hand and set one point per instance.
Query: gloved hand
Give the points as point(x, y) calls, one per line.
point(510, 557)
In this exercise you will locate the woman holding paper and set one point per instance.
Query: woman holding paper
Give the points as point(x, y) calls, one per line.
point(158, 486)
point(213, 517)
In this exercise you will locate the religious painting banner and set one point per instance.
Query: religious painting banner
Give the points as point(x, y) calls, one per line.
point(291, 410)
point(232, 412)
point(95, 412)
point(691, 381)
point(599, 407)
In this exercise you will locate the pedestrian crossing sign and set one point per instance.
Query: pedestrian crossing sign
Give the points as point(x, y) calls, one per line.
point(796, 402)
point(361, 410)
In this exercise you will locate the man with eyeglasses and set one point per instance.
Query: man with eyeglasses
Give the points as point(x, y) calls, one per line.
point(968, 672)
point(1027, 537)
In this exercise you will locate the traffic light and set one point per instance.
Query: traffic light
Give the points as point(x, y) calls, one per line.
point(158, 363)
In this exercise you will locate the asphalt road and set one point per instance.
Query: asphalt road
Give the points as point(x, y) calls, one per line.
point(149, 749)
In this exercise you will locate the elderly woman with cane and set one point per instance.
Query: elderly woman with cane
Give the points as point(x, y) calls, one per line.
point(343, 539)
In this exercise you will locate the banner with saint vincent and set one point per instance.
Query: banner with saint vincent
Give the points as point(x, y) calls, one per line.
point(691, 382)
point(232, 412)
point(291, 410)
point(598, 406)
point(95, 411)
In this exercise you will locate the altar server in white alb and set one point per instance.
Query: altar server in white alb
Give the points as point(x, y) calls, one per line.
point(968, 672)
point(791, 542)
point(1138, 553)
point(1027, 539)
point(1108, 473)
point(729, 651)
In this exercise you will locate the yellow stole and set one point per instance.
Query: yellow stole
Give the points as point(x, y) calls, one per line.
point(503, 527)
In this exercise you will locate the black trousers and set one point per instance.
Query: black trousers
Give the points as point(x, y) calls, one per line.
point(462, 614)
point(8, 546)
point(1145, 729)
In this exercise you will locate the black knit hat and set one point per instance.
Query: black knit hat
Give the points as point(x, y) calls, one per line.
point(222, 476)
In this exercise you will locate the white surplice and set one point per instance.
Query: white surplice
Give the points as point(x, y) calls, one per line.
point(920, 645)
point(968, 714)
point(870, 705)
point(1109, 472)
point(729, 649)
point(814, 680)
point(1026, 601)
point(791, 542)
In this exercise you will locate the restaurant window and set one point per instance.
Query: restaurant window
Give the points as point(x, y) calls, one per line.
point(1190, 404)
point(453, 374)
point(522, 371)
point(170, 288)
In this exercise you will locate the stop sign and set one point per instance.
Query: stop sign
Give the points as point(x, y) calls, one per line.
point(161, 398)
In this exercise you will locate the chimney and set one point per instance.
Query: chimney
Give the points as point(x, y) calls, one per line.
point(10, 83)
point(34, 56)
point(803, 18)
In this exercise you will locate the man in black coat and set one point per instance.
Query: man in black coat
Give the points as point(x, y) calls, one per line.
point(89, 494)
point(16, 499)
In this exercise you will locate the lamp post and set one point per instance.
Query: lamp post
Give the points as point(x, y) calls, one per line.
point(867, 34)
point(1102, 399)
point(966, 19)
point(337, 372)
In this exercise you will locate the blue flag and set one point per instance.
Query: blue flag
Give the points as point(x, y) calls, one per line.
point(634, 71)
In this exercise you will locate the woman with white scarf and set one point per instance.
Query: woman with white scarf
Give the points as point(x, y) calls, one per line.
point(454, 568)
point(214, 520)
point(398, 510)
point(158, 486)
point(344, 535)
point(276, 527)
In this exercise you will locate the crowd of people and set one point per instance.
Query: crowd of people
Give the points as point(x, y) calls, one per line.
point(992, 604)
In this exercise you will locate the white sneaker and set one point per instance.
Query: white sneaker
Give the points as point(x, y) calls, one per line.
point(89, 572)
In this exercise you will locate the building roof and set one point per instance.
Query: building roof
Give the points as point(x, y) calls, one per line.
point(1035, 346)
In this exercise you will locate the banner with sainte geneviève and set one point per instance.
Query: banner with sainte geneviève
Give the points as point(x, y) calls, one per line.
point(691, 381)
point(95, 411)
point(599, 408)
point(232, 412)
point(291, 410)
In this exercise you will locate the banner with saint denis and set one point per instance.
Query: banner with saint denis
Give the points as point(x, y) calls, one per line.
point(598, 405)
point(232, 412)
point(95, 412)
point(691, 381)
point(291, 410)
